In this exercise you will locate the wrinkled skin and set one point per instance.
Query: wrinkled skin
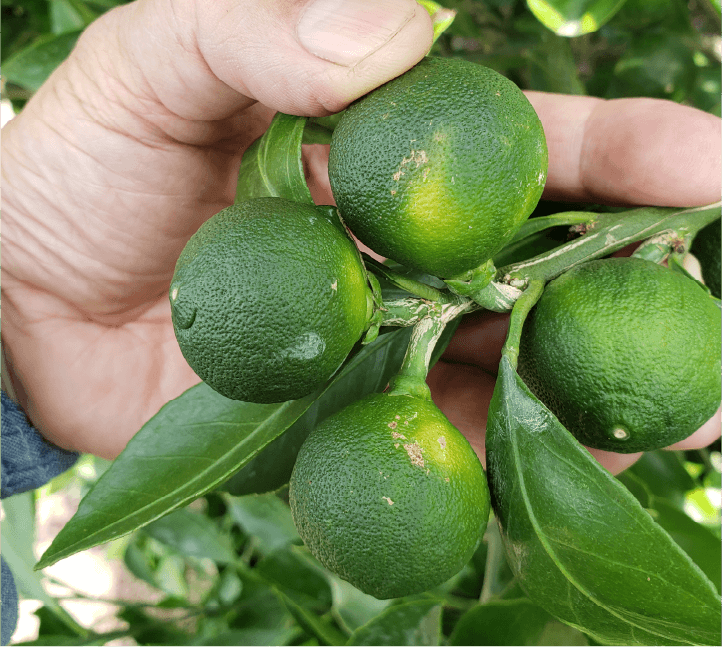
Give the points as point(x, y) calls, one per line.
point(136, 140)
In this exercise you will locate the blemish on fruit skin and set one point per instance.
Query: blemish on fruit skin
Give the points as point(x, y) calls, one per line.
point(620, 434)
point(442, 442)
point(388, 500)
point(334, 285)
point(414, 452)
point(174, 294)
point(415, 157)
point(305, 346)
point(396, 434)
point(393, 424)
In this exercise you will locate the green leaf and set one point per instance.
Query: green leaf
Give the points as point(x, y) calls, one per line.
point(260, 618)
point(321, 628)
point(266, 517)
point(31, 66)
point(18, 538)
point(272, 166)
point(352, 608)
point(578, 542)
point(655, 65)
point(501, 622)
point(190, 446)
point(290, 570)
point(22, 22)
point(692, 537)
point(558, 634)
point(192, 535)
point(574, 17)
point(367, 371)
point(663, 474)
point(409, 623)
point(553, 66)
point(68, 15)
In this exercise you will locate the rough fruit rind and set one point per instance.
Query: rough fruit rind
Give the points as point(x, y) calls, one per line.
point(389, 496)
point(626, 353)
point(438, 168)
point(268, 298)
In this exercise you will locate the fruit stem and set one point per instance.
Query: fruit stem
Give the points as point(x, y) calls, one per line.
point(410, 285)
point(611, 231)
point(406, 312)
point(411, 378)
point(519, 313)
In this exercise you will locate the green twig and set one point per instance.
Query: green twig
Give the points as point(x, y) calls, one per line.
point(518, 315)
point(411, 378)
point(409, 285)
point(612, 231)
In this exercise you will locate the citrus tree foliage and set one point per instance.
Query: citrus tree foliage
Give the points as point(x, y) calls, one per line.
point(578, 557)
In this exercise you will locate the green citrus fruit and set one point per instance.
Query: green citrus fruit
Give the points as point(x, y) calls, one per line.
point(268, 298)
point(389, 495)
point(438, 168)
point(706, 247)
point(626, 353)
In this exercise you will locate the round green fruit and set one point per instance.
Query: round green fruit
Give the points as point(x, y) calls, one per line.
point(625, 353)
point(389, 495)
point(268, 298)
point(438, 168)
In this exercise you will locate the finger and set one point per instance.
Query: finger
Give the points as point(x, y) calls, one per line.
point(478, 340)
point(630, 151)
point(305, 57)
point(463, 393)
point(704, 436)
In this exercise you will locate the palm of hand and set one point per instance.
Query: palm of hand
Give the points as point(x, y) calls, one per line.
point(91, 317)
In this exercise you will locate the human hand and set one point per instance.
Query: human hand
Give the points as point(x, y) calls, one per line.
point(89, 333)
point(620, 152)
point(132, 143)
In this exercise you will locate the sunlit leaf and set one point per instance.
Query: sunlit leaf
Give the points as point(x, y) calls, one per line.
point(272, 166)
point(574, 17)
point(578, 542)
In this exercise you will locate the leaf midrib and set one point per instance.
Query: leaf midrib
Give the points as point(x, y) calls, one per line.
point(537, 529)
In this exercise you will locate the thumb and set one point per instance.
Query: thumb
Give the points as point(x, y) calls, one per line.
point(304, 57)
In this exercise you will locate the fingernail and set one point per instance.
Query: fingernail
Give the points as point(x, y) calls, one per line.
point(347, 31)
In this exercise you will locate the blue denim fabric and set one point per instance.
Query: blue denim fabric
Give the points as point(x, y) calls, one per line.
point(28, 462)
point(9, 604)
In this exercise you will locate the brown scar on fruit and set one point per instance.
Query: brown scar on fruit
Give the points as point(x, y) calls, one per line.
point(393, 424)
point(396, 434)
point(414, 452)
point(388, 500)
point(416, 157)
point(442, 442)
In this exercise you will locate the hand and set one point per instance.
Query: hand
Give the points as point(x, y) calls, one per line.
point(623, 152)
point(136, 140)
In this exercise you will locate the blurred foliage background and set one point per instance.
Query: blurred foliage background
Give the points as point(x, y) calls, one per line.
point(668, 49)
point(231, 570)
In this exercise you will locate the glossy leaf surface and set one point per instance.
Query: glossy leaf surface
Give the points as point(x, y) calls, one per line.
point(409, 623)
point(501, 622)
point(579, 543)
point(574, 17)
point(191, 445)
point(368, 371)
point(272, 166)
point(33, 65)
